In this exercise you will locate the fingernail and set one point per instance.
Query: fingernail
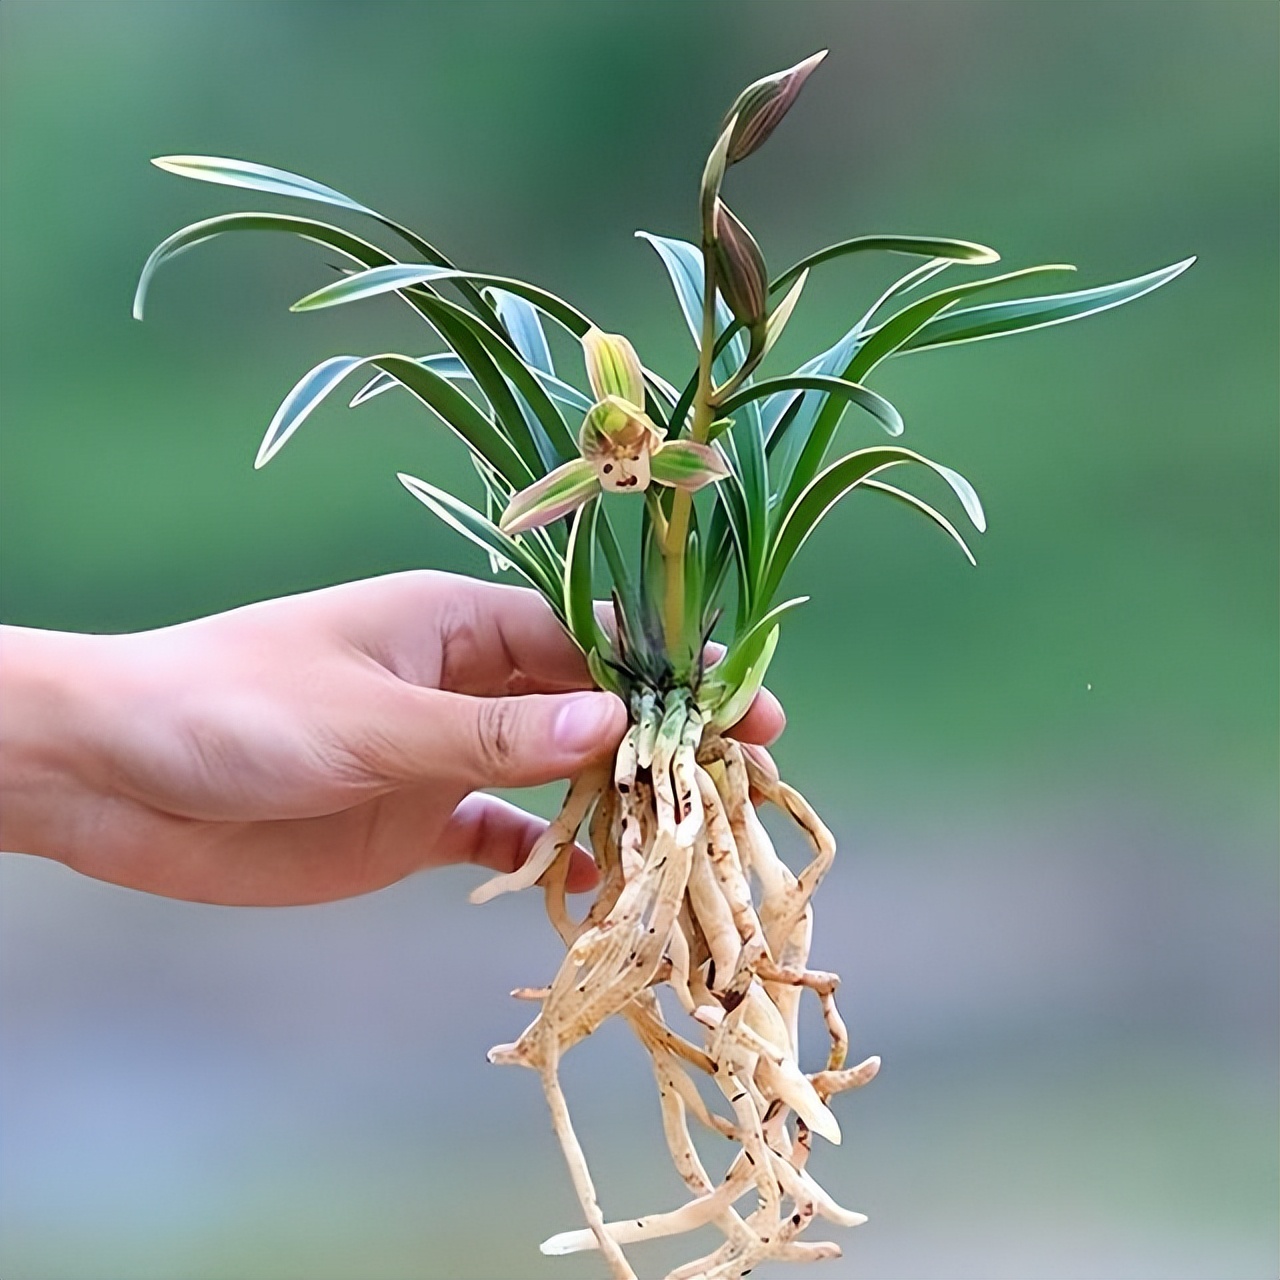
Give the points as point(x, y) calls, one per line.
point(584, 722)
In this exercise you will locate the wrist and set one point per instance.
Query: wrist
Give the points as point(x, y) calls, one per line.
point(50, 699)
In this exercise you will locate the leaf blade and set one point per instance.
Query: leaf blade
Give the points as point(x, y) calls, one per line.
point(998, 319)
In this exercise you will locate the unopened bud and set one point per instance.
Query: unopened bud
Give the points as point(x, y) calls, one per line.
point(740, 267)
point(760, 106)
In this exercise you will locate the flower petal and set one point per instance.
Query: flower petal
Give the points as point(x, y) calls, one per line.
point(613, 368)
point(685, 464)
point(555, 495)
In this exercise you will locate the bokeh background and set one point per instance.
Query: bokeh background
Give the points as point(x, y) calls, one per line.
point(1054, 777)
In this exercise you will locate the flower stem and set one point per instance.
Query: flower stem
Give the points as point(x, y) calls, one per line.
point(677, 531)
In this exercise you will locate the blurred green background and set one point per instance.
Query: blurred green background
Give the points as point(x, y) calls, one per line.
point(1054, 777)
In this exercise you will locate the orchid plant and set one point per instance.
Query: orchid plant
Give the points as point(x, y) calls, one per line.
point(730, 473)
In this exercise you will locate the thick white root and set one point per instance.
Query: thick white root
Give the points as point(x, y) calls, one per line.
point(693, 895)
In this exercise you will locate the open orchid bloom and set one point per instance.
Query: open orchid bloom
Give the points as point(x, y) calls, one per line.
point(623, 449)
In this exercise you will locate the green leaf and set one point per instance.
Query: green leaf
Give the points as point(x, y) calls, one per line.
point(868, 352)
point(349, 246)
point(520, 319)
point(486, 535)
point(256, 177)
point(683, 262)
point(453, 408)
point(579, 599)
point(261, 177)
point(910, 499)
point(995, 319)
point(887, 338)
point(853, 392)
point(736, 705)
point(917, 246)
point(446, 363)
point(297, 406)
point(781, 314)
point(533, 424)
point(693, 597)
point(798, 520)
point(401, 276)
point(728, 674)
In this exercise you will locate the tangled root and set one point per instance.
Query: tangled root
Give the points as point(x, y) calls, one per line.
point(694, 896)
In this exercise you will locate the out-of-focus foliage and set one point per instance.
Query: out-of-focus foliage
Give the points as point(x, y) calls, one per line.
point(1053, 776)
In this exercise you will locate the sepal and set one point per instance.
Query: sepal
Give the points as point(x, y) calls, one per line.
point(686, 464)
point(557, 494)
point(613, 368)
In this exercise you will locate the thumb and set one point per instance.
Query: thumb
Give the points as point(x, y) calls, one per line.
point(508, 742)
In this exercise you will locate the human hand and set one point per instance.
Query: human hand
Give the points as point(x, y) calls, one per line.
point(306, 748)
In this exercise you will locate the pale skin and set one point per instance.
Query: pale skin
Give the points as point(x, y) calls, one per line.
point(303, 749)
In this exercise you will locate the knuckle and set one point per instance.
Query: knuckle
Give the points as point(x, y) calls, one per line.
point(497, 735)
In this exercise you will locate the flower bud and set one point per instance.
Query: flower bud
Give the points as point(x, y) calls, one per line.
point(740, 268)
point(760, 106)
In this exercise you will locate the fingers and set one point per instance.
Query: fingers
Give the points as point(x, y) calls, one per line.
point(492, 833)
point(498, 639)
point(764, 721)
point(427, 735)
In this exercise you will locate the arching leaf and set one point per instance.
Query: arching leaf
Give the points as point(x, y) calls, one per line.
point(796, 521)
point(486, 535)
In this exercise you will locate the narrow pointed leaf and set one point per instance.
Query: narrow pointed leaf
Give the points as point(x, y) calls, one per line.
point(256, 177)
point(781, 314)
point(436, 392)
point(308, 392)
point(579, 600)
point(683, 262)
point(887, 338)
point(995, 319)
point(369, 284)
point(797, 521)
point(869, 350)
point(486, 535)
point(402, 276)
point(349, 246)
point(520, 319)
point(736, 705)
point(853, 392)
point(538, 422)
point(918, 246)
point(742, 655)
point(910, 499)
point(261, 177)
point(446, 363)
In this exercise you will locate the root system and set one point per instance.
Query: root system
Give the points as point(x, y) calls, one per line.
point(694, 896)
